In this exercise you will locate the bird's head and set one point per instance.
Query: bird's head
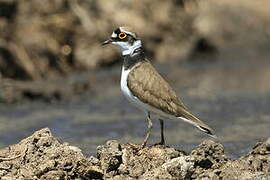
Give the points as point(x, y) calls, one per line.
point(126, 40)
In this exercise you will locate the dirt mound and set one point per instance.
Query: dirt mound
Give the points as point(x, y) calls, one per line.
point(42, 156)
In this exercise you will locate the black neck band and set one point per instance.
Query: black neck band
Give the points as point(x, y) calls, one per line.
point(131, 60)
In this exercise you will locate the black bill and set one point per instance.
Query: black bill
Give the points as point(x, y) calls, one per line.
point(109, 41)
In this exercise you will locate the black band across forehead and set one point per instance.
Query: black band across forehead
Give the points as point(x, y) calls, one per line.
point(117, 31)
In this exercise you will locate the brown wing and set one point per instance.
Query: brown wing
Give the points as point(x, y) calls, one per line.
point(151, 88)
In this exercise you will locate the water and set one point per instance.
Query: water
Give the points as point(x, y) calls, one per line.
point(229, 98)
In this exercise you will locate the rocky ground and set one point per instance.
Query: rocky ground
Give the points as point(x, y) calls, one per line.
point(43, 156)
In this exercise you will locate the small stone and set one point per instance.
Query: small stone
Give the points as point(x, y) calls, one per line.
point(110, 155)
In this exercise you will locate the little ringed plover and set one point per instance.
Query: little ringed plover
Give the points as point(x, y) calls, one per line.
point(144, 87)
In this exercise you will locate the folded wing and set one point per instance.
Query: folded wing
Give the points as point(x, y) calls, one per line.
point(148, 86)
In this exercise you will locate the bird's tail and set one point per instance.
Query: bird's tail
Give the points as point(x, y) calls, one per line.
point(189, 118)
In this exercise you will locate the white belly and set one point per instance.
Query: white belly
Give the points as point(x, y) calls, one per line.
point(134, 100)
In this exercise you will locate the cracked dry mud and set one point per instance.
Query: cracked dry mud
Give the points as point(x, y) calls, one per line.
point(42, 156)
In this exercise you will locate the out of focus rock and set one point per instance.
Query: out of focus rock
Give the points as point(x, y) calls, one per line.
point(52, 38)
point(46, 90)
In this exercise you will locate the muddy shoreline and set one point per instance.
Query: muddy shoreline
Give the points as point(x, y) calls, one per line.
point(43, 156)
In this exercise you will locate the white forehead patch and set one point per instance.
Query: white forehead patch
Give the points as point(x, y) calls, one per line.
point(125, 29)
point(114, 35)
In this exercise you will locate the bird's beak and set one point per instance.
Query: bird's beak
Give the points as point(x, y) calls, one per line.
point(109, 41)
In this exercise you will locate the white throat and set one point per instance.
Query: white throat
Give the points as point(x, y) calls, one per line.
point(127, 49)
point(130, 49)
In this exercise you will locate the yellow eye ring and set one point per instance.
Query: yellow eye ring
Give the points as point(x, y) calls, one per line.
point(122, 35)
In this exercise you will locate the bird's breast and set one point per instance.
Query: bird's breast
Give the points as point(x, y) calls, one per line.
point(123, 84)
point(127, 93)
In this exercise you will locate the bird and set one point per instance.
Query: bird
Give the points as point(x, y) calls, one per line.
point(145, 88)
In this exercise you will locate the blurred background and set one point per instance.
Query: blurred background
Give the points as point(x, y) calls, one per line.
point(54, 73)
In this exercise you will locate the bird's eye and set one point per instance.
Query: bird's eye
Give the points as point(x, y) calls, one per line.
point(122, 35)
